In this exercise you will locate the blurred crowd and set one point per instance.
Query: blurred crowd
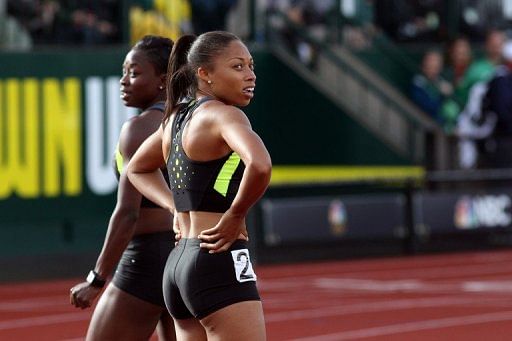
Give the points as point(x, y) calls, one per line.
point(73, 22)
point(469, 97)
point(100, 22)
point(464, 78)
point(436, 20)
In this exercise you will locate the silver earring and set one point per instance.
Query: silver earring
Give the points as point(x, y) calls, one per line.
point(209, 81)
point(161, 87)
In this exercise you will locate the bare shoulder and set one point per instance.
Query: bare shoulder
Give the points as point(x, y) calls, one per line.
point(135, 130)
point(227, 114)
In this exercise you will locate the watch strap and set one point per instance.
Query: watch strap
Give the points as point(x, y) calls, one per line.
point(95, 280)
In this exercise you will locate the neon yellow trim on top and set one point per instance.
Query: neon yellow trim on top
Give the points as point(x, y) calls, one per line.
point(119, 160)
point(226, 173)
point(289, 175)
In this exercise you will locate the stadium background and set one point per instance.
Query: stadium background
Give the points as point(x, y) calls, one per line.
point(360, 174)
point(340, 187)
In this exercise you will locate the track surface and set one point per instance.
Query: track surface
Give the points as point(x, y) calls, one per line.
point(464, 296)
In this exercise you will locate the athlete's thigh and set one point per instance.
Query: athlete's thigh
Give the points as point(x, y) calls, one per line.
point(121, 316)
point(239, 321)
point(189, 330)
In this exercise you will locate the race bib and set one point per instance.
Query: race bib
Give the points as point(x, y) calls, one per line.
point(243, 266)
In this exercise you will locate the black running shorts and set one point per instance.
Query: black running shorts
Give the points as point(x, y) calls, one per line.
point(197, 283)
point(141, 267)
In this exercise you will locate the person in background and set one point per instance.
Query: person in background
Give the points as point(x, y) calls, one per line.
point(218, 168)
point(498, 101)
point(482, 69)
point(139, 237)
point(309, 16)
point(428, 89)
point(459, 58)
point(474, 127)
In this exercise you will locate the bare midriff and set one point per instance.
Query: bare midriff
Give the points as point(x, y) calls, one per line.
point(193, 223)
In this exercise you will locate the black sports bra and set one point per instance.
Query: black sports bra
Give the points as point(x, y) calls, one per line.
point(207, 186)
point(119, 162)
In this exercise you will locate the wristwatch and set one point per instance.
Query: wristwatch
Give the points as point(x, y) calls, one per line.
point(95, 280)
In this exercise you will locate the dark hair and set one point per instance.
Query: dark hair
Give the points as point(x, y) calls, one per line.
point(157, 49)
point(188, 54)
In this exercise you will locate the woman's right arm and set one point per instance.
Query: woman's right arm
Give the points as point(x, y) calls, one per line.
point(144, 173)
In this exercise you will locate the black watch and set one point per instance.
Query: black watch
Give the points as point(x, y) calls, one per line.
point(95, 280)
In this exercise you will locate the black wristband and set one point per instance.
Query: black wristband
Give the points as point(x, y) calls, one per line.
point(95, 280)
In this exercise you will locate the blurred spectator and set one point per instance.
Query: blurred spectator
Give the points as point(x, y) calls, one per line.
point(482, 69)
point(408, 20)
point(309, 15)
point(459, 58)
point(13, 36)
point(428, 89)
point(238, 23)
point(210, 15)
point(473, 126)
point(358, 28)
point(498, 100)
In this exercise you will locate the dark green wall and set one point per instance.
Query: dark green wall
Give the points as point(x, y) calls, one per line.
point(62, 63)
point(299, 125)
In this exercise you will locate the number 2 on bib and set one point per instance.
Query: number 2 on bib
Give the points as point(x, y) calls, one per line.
point(243, 266)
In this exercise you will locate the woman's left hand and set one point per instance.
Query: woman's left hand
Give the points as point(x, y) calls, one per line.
point(220, 237)
point(83, 295)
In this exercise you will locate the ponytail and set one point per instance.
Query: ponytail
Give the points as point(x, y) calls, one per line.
point(181, 83)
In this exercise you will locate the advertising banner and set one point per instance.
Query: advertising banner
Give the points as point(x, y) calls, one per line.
point(307, 219)
point(458, 212)
point(59, 123)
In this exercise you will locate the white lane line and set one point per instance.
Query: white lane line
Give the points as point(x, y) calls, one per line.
point(348, 286)
point(487, 286)
point(412, 270)
point(44, 320)
point(412, 285)
point(372, 307)
point(28, 304)
point(402, 285)
point(411, 327)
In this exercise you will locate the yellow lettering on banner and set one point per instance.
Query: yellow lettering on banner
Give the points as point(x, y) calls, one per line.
point(12, 88)
point(28, 183)
point(19, 169)
point(62, 137)
point(23, 137)
point(4, 176)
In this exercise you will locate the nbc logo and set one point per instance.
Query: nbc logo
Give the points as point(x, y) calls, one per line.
point(482, 211)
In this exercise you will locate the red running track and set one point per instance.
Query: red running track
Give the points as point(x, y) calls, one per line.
point(465, 296)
